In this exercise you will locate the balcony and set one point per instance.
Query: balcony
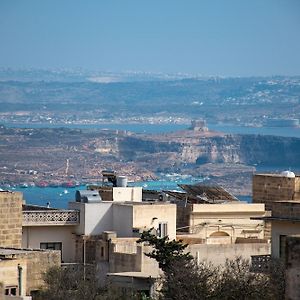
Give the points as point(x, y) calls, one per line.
point(260, 263)
point(50, 217)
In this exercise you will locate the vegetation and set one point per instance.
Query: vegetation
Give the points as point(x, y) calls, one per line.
point(185, 279)
point(80, 283)
point(165, 252)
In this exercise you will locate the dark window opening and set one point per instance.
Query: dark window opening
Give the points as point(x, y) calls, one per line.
point(51, 246)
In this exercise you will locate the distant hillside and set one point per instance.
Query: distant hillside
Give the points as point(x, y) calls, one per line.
point(247, 99)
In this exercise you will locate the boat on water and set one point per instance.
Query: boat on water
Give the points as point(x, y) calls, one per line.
point(64, 192)
point(42, 184)
point(69, 184)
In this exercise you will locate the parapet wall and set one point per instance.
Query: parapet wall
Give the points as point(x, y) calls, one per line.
point(217, 254)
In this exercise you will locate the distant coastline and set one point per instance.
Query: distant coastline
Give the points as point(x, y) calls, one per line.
point(168, 127)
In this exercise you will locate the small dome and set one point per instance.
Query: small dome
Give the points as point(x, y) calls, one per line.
point(288, 174)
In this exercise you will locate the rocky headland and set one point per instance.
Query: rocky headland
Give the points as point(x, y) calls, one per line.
point(31, 155)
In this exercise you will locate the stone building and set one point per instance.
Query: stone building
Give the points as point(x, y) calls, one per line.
point(11, 219)
point(222, 223)
point(20, 269)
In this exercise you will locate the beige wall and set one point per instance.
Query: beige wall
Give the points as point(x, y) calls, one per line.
point(132, 258)
point(33, 236)
point(231, 220)
point(148, 216)
point(282, 228)
point(217, 254)
point(127, 194)
point(128, 256)
point(38, 262)
point(34, 264)
point(11, 219)
point(9, 273)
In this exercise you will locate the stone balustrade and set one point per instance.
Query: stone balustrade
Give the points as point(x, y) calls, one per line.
point(50, 217)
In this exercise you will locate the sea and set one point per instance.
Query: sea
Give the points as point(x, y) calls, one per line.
point(59, 197)
point(170, 127)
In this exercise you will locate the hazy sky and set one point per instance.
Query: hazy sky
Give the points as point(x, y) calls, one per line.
point(225, 37)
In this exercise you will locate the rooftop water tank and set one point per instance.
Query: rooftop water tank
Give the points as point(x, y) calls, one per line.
point(122, 181)
point(288, 174)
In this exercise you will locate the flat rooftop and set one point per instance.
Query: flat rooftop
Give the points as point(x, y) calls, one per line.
point(11, 252)
point(274, 175)
point(144, 203)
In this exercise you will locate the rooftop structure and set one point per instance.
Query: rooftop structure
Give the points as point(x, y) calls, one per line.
point(268, 188)
point(207, 193)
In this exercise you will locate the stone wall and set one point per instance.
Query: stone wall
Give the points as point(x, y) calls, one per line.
point(38, 262)
point(270, 188)
point(286, 209)
point(11, 219)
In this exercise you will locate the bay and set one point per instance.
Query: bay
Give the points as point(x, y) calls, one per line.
point(169, 127)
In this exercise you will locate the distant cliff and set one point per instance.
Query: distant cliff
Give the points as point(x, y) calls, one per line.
point(245, 149)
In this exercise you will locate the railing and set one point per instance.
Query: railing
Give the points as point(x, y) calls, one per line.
point(50, 217)
point(260, 263)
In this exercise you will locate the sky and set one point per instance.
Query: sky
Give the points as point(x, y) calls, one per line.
point(204, 37)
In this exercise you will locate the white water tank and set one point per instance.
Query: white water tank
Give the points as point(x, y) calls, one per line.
point(122, 181)
point(288, 174)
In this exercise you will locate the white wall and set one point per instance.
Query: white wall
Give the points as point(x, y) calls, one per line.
point(94, 217)
point(123, 194)
point(33, 236)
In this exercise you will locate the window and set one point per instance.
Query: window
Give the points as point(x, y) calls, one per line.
point(162, 229)
point(51, 246)
point(11, 290)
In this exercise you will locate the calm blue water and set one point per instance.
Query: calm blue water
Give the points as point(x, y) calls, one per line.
point(58, 197)
point(137, 128)
point(277, 131)
point(161, 128)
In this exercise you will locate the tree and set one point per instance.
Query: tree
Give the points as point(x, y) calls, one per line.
point(236, 281)
point(81, 283)
point(165, 252)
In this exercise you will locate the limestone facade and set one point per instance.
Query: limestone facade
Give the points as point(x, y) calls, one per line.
point(11, 219)
point(30, 265)
point(222, 223)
